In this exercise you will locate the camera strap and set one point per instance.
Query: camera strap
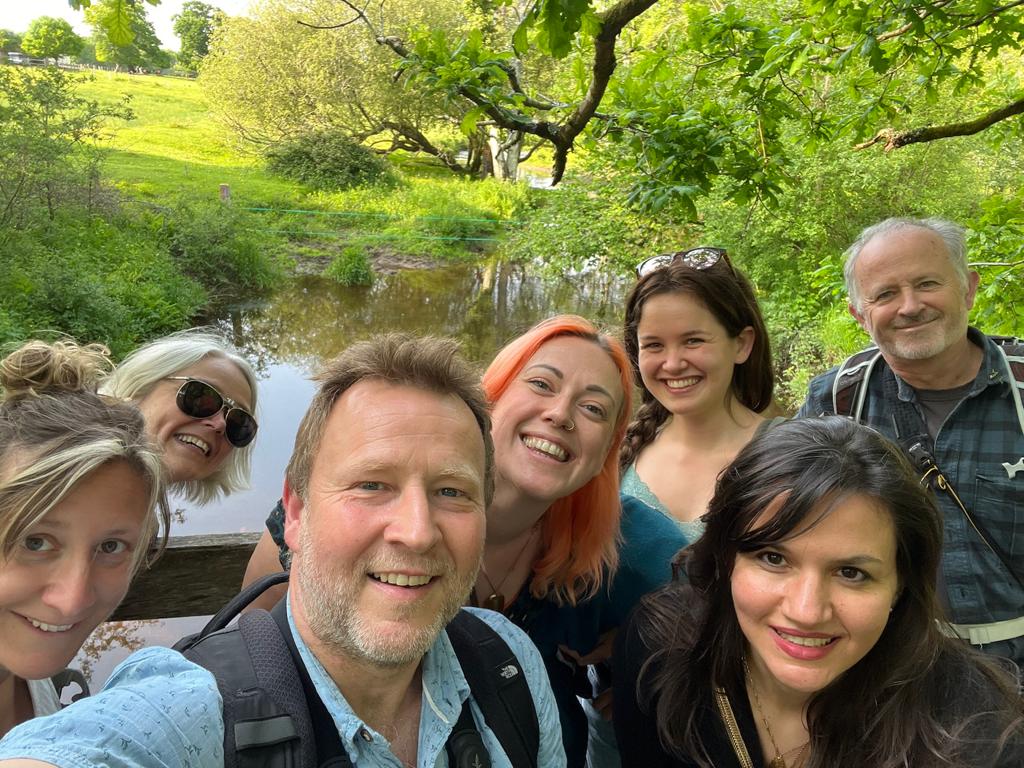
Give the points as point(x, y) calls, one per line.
point(912, 436)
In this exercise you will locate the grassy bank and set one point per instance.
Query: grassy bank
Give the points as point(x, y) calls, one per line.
point(175, 148)
point(139, 244)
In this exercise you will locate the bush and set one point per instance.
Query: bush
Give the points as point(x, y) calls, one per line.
point(95, 281)
point(350, 267)
point(214, 244)
point(328, 160)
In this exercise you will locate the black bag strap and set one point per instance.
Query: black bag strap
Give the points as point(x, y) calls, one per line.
point(913, 438)
point(67, 677)
point(499, 687)
point(239, 602)
point(850, 378)
point(274, 717)
point(329, 750)
point(266, 720)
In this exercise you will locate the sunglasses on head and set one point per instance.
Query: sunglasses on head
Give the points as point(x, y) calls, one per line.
point(200, 400)
point(702, 257)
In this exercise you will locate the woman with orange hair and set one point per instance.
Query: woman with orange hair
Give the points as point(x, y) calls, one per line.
point(558, 561)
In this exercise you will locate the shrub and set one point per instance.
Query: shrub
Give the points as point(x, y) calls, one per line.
point(214, 244)
point(328, 160)
point(350, 267)
point(94, 280)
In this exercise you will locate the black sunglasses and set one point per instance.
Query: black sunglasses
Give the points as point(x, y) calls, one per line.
point(200, 400)
point(702, 257)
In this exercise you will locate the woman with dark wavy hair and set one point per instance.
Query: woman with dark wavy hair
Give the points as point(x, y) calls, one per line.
point(699, 351)
point(809, 633)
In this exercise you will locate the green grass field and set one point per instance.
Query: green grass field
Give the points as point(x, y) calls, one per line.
point(176, 147)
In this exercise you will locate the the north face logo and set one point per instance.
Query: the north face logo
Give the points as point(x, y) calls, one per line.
point(509, 671)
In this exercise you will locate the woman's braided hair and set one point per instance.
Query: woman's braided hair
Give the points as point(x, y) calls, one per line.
point(729, 296)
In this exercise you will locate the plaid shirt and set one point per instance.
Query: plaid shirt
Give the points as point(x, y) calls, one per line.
point(976, 439)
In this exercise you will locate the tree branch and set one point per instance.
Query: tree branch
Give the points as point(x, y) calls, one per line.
point(560, 135)
point(612, 23)
point(895, 139)
point(1007, 264)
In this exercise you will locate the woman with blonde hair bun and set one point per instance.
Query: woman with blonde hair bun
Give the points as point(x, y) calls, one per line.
point(81, 501)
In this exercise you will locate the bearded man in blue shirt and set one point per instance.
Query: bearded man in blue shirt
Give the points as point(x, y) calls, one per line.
point(951, 396)
point(384, 498)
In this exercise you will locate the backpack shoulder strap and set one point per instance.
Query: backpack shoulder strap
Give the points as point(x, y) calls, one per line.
point(266, 720)
point(67, 677)
point(498, 685)
point(848, 395)
point(1012, 350)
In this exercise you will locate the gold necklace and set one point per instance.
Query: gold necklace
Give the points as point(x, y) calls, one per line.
point(779, 761)
point(496, 600)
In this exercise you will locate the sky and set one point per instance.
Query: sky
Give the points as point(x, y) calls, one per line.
point(15, 15)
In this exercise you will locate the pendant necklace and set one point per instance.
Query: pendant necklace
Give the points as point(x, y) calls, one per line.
point(779, 761)
point(496, 600)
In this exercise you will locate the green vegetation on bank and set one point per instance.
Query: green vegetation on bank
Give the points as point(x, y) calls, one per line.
point(132, 240)
point(119, 234)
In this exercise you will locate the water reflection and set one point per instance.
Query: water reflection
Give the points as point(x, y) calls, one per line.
point(310, 319)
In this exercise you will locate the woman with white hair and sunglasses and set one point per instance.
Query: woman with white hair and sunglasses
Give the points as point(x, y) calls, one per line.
point(198, 396)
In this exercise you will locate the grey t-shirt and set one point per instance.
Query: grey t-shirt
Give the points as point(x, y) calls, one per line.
point(937, 404)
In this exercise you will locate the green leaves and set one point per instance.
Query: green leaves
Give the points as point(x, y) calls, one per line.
point(119, 24)
point(556, 24)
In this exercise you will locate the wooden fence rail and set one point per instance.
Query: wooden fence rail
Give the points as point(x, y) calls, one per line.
point(195, 577)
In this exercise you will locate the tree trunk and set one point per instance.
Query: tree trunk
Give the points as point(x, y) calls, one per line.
point(505, 147)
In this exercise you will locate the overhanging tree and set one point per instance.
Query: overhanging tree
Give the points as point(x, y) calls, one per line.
point(106, 17)
point(272, 78)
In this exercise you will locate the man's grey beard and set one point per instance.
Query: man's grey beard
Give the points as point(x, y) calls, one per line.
point(329, 606)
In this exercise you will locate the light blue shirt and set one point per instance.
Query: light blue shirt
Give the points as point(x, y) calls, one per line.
point(160, 710)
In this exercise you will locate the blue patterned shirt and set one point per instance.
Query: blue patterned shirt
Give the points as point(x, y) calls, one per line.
point(981, 434)
point(159, 710)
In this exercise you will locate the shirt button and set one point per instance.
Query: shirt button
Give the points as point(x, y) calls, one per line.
point(365, 734)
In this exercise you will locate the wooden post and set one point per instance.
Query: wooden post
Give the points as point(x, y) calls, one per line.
point(225, 193)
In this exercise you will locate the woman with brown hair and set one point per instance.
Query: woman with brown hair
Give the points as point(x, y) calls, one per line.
point(699, 352)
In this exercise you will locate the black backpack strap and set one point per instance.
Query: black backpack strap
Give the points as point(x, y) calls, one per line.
point(266, 720)
point(465, 746)
point(67, 677)
point(233, 608)
point(913, 438)
point(498, 686)
point(329, 751)
point(847, 392)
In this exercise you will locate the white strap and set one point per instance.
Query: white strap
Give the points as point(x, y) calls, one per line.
point(983, 634)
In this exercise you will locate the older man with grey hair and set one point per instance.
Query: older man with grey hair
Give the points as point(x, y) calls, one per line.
point(951, 397)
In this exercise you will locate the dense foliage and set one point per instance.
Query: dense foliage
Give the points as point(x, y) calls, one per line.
point(327, 160)
point(124, 36)
point(350, 267)
point(49, 37)
point(73, 259)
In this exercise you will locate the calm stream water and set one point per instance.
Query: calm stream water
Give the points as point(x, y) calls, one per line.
point(308, 320)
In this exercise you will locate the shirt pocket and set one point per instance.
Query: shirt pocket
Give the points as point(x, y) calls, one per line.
point(999, 509)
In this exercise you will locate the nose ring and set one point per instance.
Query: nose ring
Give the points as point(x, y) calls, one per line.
point(571, 426)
